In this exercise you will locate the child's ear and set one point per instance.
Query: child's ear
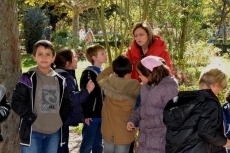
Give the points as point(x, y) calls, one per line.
point(67, 64)
point(217, 84)
point(34, 58)
point(53, 59)
point(94, 58)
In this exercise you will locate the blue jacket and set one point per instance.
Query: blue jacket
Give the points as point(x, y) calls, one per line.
point(23, 104)
point(78, 97)
point(226, 118)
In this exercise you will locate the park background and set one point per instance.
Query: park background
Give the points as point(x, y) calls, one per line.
point(196, 33)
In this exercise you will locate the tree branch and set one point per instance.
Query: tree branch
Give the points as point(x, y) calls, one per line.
point(67, 4)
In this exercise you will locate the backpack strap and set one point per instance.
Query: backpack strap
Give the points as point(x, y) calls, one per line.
point(91, 69)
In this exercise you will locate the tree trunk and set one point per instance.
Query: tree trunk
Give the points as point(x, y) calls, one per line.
point(75, 24)
point(10, 69)
point(100, 14)
point(145, 10)
point(183, 37)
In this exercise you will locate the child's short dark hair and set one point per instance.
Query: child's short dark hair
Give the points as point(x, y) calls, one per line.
point(63, 56)
point(44, 43)
point(92, 51)
point(156, 75)
point(122, 66)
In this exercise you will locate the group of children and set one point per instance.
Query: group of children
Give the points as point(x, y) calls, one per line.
point(48, 101)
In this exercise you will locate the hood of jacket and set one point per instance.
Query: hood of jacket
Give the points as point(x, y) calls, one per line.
point(156, 49)
point(120, 89)
point(35, 69)
point(66, 72)
point(179, 109)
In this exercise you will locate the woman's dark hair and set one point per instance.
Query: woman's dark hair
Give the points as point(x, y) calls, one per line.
point(156, 75)
point(122, 66)
point(62, 57)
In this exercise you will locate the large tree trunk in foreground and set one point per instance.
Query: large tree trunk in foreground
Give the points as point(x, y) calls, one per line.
point(10, 70)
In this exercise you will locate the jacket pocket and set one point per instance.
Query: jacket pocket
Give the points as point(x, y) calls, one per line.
point(24, 130)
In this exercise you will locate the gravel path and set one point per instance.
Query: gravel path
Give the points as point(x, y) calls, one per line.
point(74, 141)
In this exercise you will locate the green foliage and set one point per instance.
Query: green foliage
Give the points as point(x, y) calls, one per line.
point(113, 40)
point(27, 61)
point(197, 55)
point(183, 87)
point(64, 38)
point(78, 129)
point(33, 26)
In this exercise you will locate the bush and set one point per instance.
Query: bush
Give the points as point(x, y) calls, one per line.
point(197, 55)
point(64, 38)
point(111, 40)
point(33, 25)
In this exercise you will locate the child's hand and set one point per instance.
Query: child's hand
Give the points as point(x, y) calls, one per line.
point(130, 126)
point(87, 121)
point(90, 86)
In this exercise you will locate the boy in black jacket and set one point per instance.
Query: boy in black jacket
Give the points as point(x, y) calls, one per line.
point(91, 132)
point(42, 101)
point(4, 107)
point(194, 119)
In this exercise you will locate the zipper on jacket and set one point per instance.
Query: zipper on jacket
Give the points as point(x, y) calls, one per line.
point(20, 124)
point(63, 90)
point(94, 104)
point(32, 92)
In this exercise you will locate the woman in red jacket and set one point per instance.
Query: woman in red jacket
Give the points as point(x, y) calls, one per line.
point(145, 44)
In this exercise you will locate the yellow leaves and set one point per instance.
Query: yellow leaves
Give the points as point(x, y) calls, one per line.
point(38, 2)
point(30, 2)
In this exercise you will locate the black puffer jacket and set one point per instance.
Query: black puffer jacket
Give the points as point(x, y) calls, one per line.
point(194, 123)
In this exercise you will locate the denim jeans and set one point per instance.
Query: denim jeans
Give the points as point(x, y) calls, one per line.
point(64, 148)
point(110, 147)
point(91, 138)
point(42, 143)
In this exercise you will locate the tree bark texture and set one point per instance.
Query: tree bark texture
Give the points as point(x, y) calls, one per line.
point(10, 70)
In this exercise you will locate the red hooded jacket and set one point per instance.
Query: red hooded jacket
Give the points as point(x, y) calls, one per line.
point(158, 48)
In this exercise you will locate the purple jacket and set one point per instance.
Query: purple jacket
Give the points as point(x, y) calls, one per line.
point(149, 116)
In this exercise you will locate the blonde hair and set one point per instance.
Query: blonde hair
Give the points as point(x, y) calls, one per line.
point(148, 29)
point(92, 51)
point(212, 75)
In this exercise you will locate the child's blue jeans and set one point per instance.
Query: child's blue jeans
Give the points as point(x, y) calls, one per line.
point(40, 142)
point(110, 147)
point(91, 138)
